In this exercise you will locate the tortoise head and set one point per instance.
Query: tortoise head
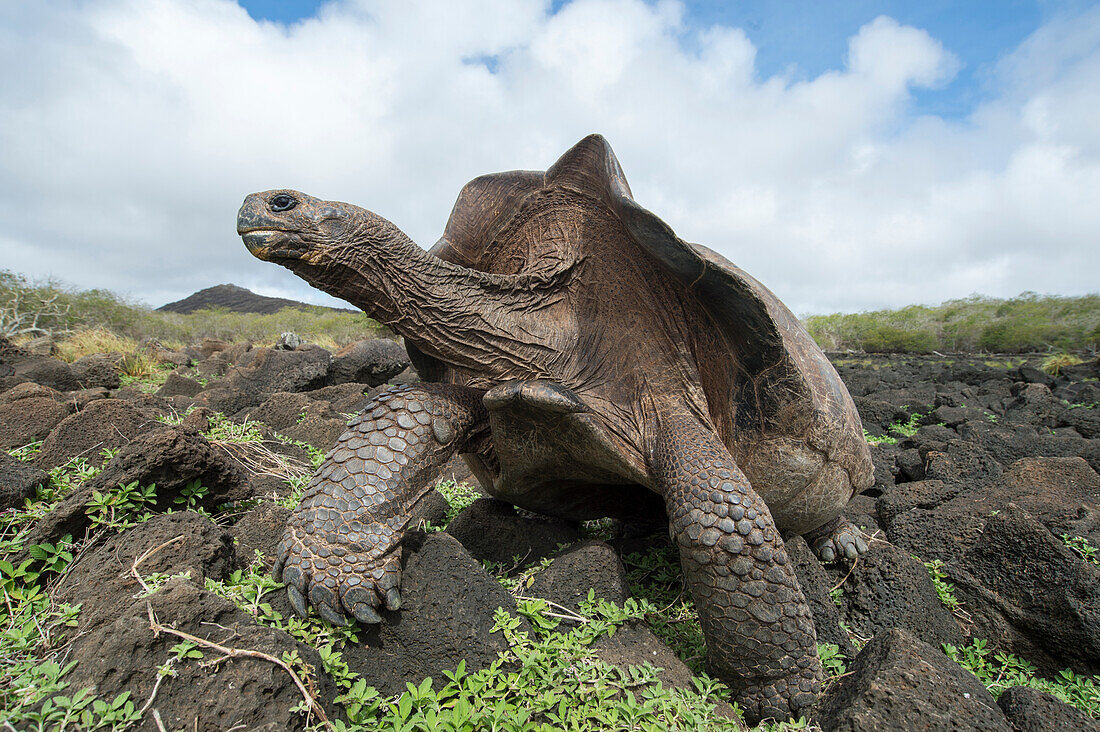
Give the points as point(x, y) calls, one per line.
point(288, 227)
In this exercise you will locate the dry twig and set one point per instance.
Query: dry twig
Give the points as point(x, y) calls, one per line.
point(227, 652)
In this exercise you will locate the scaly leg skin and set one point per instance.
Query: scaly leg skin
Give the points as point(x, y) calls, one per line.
point(339, 549)
point(758, 628)
point(839, 538)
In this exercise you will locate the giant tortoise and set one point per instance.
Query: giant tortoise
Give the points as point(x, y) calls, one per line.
point(580, 357)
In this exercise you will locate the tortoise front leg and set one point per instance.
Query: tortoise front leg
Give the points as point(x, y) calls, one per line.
point(758, 628)
point(339, 549)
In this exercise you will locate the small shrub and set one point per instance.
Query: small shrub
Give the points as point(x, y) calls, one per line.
point(91, 341)
point(1054, 364)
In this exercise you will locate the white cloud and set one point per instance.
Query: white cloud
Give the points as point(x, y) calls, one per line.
point(135, 128)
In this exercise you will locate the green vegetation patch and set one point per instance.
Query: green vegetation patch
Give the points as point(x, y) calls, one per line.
point(1026, 323)
point(1000, 671)
point(29, 309)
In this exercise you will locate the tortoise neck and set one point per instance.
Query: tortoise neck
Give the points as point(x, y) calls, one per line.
point(435, 304)
point(388, 276)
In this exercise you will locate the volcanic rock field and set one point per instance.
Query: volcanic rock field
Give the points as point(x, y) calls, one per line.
point(983, 520)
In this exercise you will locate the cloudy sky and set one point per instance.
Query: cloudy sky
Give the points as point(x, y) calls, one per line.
point(850, 154)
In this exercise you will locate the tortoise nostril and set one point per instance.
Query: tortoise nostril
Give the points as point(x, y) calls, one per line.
point(282, 202)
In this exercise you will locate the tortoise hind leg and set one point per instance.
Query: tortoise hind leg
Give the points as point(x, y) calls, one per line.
point(838, 539)
point(758, 628)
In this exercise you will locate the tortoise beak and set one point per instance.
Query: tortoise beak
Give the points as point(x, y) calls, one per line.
point(258, 231)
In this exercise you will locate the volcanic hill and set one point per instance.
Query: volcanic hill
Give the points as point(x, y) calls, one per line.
point(238, 300)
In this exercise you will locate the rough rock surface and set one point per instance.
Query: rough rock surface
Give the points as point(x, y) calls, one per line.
point(170, 458)
point(259, 530)
point(96, 370)
point(897, 682)
point(372, 362)
point(18, 481)
point(494, 531)
point(1031, 710)
point(265, 371)
point(102, 425)
point(179, 385)
point(990, 491)
point(29, 420)
point(889, 589)
point(589, 565)
point(1029, 594)
point(816, 584)
point(241, 693)
point(446, 614)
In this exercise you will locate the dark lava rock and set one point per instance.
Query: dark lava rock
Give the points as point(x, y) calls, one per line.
point(320, 432)
point(96, 371)
point(346, 399)
point(268, 371)
point(910, 465)
point(1032, 375)
point(27, 390)
point(1063, 493)
point(634, 644)
point(447, 606)
point(372, 362)
point(240, 693)
point(18, 481)
point(1086, 421)
point(80, 399)
point(1011, 442)
point(883, 457)
point(213, 367)
point(18, 366)
point(269, 487)
point(899, 683)
point(1030, 595)
point(926, 494)
point(185, 542)
point(816, 584)
point(210, 346)
point(1031, 710)
point(878, 415)
point(590, 565)
point(170, 457)
point(265, 372)
point(889, 589)
point(103, 424)
point(178, 385)
point(432, 508)
point(260, 530)
point(861, 511)
point(961, 464)
point(1034, 405)
point(283, 409)
point(494, 531)
point(29, 420)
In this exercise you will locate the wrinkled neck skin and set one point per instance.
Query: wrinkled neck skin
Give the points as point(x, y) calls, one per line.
point(434, 303)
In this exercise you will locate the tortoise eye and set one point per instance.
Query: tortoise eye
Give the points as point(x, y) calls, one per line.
point(282, 202)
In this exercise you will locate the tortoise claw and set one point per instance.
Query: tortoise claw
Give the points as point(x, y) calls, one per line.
point(393, 599)
point(359, 602)
point(297, 600)
point(331, 615)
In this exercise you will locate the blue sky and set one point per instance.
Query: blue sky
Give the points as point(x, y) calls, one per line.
point(803, 38)
point(850, 155)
